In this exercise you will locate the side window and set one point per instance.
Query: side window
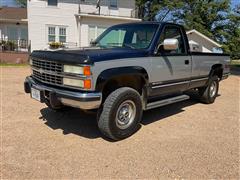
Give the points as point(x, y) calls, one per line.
point(51, 34)
point(62, 34)
point(172, 32)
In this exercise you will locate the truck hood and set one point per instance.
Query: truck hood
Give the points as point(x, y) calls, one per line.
point(88, 55)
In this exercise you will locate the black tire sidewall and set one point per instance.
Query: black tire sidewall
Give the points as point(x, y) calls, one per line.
point(212, 99)
point(123, 133)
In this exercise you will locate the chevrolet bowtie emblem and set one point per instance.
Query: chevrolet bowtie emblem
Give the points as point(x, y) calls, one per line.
point(41, 71)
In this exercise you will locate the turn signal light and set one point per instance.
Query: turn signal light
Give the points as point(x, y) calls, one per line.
point(87, 84)
point(87, 71)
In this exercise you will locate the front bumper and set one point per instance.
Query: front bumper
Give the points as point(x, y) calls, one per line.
point(57, 97)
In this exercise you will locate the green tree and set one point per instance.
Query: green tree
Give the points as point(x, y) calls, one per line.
point(150, 9)
point(214, 18)
point(210, 17)
point(22, 3)
point(232, 42)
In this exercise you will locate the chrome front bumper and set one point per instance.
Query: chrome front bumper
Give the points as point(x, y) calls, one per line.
point(82, 100)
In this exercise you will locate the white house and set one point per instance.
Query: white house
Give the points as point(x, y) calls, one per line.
point(13, 25)
point(201, 43)
point(74, 22)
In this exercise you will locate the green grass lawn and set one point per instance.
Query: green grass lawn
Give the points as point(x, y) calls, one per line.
point(235, 63)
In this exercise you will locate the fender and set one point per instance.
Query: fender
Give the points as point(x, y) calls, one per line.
point(109, 74)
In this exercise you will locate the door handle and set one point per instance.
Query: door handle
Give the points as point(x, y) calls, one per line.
point(187, 62)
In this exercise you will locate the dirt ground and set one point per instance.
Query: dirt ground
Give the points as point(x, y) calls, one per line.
point(185, 140)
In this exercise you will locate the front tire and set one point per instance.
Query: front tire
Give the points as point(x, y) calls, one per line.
point(121, 114)
point(209, 93)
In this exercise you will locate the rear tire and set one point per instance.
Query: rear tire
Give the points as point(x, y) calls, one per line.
point(121, 114)
point(209, 93)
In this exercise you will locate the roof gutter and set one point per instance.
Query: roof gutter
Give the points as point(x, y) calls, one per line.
point(108, 17)
point(25, 21)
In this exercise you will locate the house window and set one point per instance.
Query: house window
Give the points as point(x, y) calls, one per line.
point(62, 34)
point(94, 32)
point(113, 3)
point(51, 34)
point(52, 2)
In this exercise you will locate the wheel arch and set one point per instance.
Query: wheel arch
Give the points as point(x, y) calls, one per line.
point(216, 69)
point(133, 76)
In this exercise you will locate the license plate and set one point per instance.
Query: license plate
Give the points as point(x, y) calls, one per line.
point(36, 94)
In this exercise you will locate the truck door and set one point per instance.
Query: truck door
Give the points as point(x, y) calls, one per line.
point(171, 70)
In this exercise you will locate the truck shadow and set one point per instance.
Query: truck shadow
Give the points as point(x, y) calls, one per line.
point(72, 121)
point(75, 121)
point(161, 113)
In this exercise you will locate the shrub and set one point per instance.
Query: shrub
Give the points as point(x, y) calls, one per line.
point(56, 45)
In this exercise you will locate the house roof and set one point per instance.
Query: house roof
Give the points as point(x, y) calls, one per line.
point(13, 14)
point(107, 17)
point(203, 36)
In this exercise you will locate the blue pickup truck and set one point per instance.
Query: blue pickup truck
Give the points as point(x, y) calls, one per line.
point(128, 69)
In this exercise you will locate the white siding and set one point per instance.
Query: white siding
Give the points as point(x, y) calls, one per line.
point(125, 7)
point(40, 16)
point(206, 45)
point(86, 22)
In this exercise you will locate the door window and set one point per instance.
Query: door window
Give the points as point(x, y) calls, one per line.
point(172, 32)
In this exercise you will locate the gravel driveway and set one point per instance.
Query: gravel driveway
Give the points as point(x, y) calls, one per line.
point(184, 140)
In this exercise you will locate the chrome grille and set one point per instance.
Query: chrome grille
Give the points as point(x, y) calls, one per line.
point(47, 78)
point(47, 65)
point(47, 71)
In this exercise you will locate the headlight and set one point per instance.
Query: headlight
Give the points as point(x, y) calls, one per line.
point(77, 70)
point(73, 82)
point(85, 84)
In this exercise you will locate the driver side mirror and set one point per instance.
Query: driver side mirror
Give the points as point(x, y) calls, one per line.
point(170, 44)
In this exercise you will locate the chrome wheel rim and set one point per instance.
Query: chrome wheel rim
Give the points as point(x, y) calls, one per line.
point(213, 89)
point(126, 114)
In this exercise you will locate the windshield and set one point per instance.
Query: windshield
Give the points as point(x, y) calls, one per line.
point(137, 36)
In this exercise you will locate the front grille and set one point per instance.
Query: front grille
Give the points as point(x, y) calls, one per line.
point(47, 78)
point(47, 71)
point(47, 65)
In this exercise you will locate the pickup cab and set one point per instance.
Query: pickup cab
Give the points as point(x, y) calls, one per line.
point(128, 69)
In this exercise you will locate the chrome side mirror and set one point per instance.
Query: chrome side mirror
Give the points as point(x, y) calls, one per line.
point(170, 44)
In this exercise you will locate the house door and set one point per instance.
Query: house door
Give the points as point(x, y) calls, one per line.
point(95, 31)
